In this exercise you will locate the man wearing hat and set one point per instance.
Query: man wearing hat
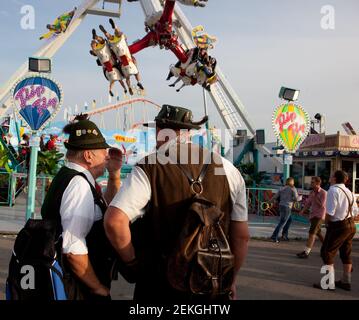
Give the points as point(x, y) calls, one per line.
point(157, 192)
point(75, 202)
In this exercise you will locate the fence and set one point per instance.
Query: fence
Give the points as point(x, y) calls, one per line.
point(12, 184)
point(258, 199)
point(259, 203)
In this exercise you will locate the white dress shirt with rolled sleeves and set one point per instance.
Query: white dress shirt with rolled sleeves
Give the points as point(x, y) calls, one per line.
point(338, 204)
point(135, 193)
point(78, 212)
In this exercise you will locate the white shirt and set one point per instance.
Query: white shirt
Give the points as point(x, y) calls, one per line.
point(135, 193)
point(78, 212)
point(338, 204)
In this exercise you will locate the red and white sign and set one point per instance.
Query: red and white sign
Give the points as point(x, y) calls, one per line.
point(354, 141)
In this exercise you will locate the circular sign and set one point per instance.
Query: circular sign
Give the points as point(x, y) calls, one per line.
point(291, 125)
point(37, 100)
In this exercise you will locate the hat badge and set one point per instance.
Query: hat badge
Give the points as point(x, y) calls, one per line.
point(78, 133)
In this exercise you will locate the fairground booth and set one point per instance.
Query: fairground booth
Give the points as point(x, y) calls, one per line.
point(321, 155)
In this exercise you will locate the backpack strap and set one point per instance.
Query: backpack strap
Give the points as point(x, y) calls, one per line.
point(351, 203)
point(193, 182)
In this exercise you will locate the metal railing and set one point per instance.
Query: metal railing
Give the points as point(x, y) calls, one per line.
point(5, 182)
point(259, 201)
point(15, 183)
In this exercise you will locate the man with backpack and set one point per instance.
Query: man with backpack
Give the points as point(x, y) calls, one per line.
point(179, 222)
point(71, 233)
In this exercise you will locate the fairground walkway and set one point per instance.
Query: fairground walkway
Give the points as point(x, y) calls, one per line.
point(12, 219)
point(271, 271)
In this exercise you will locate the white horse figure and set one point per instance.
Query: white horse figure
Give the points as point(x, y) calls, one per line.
point(127, 63)
point(102, 51)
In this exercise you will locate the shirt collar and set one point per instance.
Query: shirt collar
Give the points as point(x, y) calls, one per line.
point(79, 168)
point(319, 189)
point(339, 185)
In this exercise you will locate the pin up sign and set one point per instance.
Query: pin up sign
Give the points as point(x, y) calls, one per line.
point(37, 100)
point(291, 125)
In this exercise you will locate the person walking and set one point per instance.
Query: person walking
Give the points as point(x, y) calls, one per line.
point(287, 196)
point(317, 203)
point(158, 194)
point(341, 210)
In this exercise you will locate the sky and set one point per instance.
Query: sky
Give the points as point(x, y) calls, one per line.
point(262, 45)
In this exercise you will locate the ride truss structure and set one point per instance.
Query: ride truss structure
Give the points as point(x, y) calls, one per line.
point(229, 106)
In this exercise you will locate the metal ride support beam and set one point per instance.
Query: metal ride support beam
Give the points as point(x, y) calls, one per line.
point(48, 50)
point(224, 97)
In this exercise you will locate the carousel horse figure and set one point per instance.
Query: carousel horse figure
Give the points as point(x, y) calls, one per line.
point(102, 51)
point(200, 69)
point(118, 45)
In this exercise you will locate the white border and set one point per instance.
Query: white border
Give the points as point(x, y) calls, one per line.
point(57, 109)
point(278, 133)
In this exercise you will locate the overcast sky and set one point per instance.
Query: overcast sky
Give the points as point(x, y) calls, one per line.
point(262, 45)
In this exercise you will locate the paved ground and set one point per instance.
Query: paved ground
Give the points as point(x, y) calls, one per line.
point(271, 272)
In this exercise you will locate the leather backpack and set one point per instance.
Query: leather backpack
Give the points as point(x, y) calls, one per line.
point(202, 262)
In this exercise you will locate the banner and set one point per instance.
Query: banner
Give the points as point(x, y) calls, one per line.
point(123, 138)
point(354, 142)
point(37, 100)
point(291, 125)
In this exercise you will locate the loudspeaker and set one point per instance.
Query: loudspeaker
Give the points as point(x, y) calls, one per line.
point(260, 137)
point(40, 65)
point(241, 133)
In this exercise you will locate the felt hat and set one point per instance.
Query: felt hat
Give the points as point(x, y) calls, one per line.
point(84, 135)
point(176, 118)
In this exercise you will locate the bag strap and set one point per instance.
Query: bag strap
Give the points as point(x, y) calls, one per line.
point(200, 178)
point(98, 199)
point(350, 208)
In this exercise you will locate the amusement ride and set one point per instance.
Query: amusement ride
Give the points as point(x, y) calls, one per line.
point(168, 27)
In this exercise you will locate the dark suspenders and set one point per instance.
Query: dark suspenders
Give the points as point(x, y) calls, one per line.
point(351, 203)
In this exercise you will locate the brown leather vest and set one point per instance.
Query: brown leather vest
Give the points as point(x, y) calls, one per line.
point(170, 195)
